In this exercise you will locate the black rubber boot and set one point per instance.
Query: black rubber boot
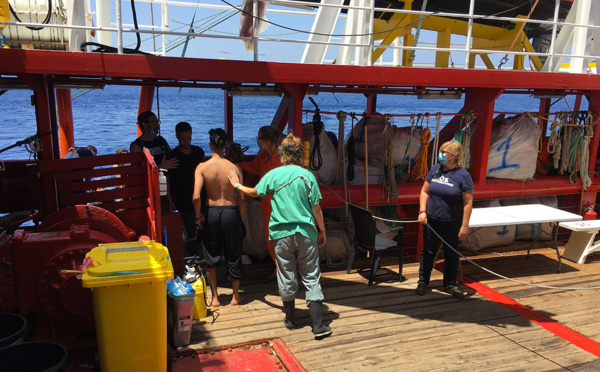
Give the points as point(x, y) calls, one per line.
point(290, 318)
point(316, 313)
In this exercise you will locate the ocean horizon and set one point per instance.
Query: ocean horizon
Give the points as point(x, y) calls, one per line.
point(107, 118)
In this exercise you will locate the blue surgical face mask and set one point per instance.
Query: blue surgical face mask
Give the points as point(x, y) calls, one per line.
point(442, 158)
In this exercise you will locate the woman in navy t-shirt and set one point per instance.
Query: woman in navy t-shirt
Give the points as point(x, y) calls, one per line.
point(445, 207)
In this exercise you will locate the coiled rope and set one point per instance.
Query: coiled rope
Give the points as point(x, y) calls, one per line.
point(585, 154)
point(351, 151)
point(466, 140)
point(566, 145)
point(419, 173)
point(574, 146)
point(436, 139)
point(341, 116)
point(551, 146)
point(400, 170)
point(390, 187)
point(459, 133)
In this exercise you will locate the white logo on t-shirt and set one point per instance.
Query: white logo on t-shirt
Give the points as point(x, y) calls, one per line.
point(443, 180)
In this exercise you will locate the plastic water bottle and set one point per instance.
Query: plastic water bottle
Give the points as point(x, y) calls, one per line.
point(162, 182)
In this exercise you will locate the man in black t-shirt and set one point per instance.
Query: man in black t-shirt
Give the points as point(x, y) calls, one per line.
point(181, 182)
point(151, 140)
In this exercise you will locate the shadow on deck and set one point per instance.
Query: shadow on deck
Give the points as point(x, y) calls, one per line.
point(389, 327)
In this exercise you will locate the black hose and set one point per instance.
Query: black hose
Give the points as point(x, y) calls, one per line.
point(317, 130)
point(23, 142)
point(45, 21)
point(137, 34)
point(102, 48)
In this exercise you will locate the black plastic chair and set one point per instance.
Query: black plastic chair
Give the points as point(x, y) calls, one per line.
point(367, 236)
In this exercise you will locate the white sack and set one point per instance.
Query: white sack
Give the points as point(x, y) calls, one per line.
point(376, 143)
point(513, 149)
point(254, 243)
point(338, 245)
point(359, 174)
point(325, 175)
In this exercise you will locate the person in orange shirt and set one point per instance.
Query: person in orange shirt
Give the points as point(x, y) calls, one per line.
point(266, 160)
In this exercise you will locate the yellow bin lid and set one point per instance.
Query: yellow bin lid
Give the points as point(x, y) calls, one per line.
point(127, 263)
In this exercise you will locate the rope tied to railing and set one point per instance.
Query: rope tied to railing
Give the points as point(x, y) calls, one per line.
point(400, 170)
point(390, 187)
point(436, 139)
point(419, 173)
point(551, 146)
point(575, 146)
point(466, 140)
point(351, 151)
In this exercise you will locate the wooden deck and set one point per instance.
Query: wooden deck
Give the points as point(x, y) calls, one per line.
point(388, 327)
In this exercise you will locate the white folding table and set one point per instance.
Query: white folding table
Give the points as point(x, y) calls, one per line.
point(581, 243)
point(524, 214)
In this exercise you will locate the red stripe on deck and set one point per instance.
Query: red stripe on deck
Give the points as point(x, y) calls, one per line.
point(558, 329)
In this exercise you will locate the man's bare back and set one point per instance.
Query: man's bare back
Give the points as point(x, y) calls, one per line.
point(213, 175)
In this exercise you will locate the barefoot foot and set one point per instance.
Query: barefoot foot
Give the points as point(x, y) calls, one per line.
point(237, 300)
point(215, 302)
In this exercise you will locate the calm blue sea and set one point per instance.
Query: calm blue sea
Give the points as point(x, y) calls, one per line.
point(107, 118)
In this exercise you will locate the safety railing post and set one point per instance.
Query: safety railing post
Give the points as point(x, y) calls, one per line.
point(119, 28)
point(255, 26)
point(372, 35)
point(164, 25)
point(554, 30)
point(469, 33)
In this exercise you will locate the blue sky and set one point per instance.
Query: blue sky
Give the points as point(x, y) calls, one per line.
point(220, 22)
point(226, 22)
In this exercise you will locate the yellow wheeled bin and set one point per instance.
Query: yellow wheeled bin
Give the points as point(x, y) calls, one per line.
point(129, 291)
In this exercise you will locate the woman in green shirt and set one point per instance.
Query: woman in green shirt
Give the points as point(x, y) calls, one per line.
point(296, 211)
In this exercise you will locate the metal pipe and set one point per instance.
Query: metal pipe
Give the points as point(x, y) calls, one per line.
point(372, 36)
point(412, 53)
point(255, 26)
point(554, 27)
point(469, 33)
point(119, 28)
point(164, 10)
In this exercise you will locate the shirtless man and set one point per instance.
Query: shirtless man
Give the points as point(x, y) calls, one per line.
point(221, 225)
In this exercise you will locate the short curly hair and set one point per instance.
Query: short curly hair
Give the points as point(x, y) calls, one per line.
point(292, 151)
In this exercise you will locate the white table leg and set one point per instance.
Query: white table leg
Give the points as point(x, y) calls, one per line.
point(580, 244)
